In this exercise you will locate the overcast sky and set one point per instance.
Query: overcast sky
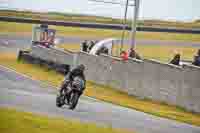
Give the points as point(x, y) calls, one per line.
point(181, 10)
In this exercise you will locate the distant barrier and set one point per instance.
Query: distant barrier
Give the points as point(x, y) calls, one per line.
point(145, 79)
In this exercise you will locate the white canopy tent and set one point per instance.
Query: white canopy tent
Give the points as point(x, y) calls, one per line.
point(108, 43)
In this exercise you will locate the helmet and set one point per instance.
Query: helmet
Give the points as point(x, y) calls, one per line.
point(81, 67)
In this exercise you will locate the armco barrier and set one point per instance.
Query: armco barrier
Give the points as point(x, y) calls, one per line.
point(191, 88)
point(113, 71)
point(126, 75)
point(162, 82)
point(102, 69)
point(150, 82)
point(170, 83)
point(53, 54)
point(26, 56)
point(134, 80)
point(90, 63)
point(146, 79)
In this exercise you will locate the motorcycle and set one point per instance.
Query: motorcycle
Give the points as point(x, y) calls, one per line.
point(70, 93)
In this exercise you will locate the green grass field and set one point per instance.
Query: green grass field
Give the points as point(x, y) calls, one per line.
point(26, 29)
point(104, 93)
point(13, 121)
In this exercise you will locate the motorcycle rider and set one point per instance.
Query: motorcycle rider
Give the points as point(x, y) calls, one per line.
point(78, 71)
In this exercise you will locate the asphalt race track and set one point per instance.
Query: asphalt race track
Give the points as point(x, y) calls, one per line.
point(18, 91)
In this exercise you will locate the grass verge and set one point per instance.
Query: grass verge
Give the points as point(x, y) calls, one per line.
point(26, 29)
point(103, 92)
point(13, 121)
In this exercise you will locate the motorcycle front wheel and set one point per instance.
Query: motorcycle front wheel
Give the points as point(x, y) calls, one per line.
point(73, 100)
point(60, 99)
